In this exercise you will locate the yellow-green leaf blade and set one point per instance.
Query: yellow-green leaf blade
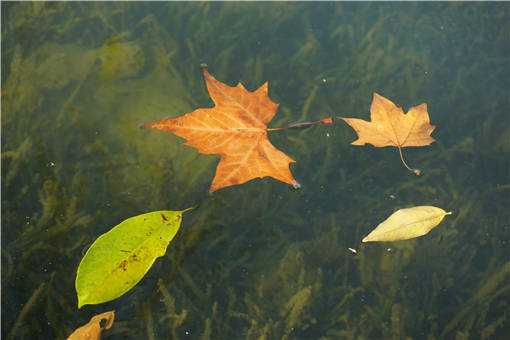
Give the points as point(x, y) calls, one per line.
point(407, 223)
point(119, 259)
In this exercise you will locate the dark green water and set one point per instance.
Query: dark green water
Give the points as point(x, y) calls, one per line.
point(260, 260)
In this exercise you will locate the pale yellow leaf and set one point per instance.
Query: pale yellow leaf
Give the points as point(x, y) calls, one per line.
point(407, 223)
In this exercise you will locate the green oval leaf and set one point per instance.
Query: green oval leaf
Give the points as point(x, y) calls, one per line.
point(407, 223)
point(118, 259)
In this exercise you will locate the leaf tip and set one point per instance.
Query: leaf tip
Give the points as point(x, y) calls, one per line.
point(358, 142)
point(80, 303)
point(82, 298)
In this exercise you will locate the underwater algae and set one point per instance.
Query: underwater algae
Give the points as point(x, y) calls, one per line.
point(232, 270)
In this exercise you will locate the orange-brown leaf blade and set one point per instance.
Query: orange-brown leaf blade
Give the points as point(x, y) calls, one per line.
point(236, 129)
point(253, 109)
point(390, 126)
point(253, 161)
point(369, 133)
point(418, 127)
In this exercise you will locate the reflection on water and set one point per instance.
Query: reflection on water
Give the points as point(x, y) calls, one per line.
point(261, 260)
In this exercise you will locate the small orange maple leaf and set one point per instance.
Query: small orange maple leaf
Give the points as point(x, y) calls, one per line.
point(236, 129)
point(390, 126)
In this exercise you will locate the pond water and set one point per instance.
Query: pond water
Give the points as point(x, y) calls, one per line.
point(260, 260)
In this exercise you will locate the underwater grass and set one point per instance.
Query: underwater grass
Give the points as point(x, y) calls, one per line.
point(260, 259)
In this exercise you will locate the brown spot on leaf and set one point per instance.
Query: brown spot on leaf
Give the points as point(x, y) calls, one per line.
point(123, 265)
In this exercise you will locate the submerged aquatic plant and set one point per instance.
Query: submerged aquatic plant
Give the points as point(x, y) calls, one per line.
point(74, 162)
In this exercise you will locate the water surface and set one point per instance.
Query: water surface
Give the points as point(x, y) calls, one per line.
point(260, 260)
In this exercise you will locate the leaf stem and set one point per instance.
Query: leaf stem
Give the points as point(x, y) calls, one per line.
point(304, 125)
point(190, 208)
point(417, 172)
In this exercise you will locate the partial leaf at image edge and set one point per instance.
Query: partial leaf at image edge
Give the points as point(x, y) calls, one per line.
point(407, 223)
point(119, 259)
point(92, 330)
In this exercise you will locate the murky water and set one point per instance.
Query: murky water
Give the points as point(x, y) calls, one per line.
point(260, 260)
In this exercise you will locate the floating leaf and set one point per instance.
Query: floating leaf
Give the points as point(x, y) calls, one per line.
point(407, 223)
point(119, 259)
point(391, 127)
point(92, 330)
point(236, 129)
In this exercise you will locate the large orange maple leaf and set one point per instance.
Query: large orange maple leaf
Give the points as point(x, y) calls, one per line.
point(236, 129)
